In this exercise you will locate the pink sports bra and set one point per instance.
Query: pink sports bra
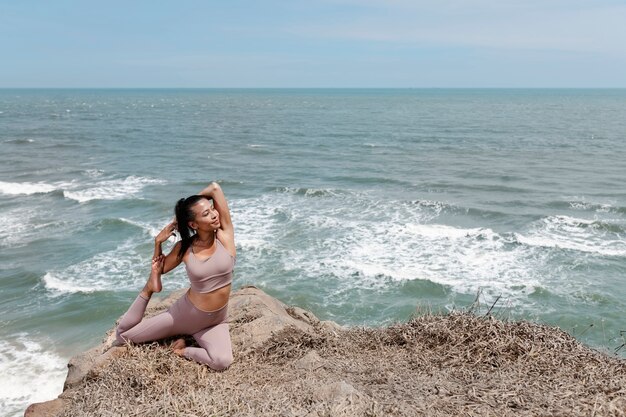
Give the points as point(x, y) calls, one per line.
point(212, 273)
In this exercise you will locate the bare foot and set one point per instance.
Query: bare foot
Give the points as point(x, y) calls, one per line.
point(154, 281)
point(179, 347)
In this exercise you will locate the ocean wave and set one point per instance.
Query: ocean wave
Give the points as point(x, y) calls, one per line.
point(111, 189)
point(436, 207)
point(20, 141)
point(581, 235)
point(30, 373)
point(223, 182)
point(464, 259)
point(14, 224)
point(21, 225)
point(94, 173)
point(357, 241)
point(83, 192)
point(482, 213)
point(115, 269)
point(26, 188)
point(354, 241)
point(310, 192)
point(597, 207)
point(583, 204)
point(122, 268)
point(374, 181)
point(60, 283)
point(258, 148)
point(150, 228)
point(230, 182)
point(605, 225)
point(256, 223)
point(380, 146)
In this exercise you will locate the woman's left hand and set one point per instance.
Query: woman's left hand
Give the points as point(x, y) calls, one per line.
point(157, 264)
point(166, 233)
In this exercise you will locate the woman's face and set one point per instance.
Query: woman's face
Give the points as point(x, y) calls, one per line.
point(206, 218)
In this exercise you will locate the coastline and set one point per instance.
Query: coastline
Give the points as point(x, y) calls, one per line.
point(287, 362)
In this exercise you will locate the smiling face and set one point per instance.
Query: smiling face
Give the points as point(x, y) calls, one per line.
point(205, 218)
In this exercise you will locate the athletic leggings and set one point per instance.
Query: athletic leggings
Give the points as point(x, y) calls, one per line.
point(209, 328)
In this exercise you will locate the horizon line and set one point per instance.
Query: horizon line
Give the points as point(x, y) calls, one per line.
point(312, 88)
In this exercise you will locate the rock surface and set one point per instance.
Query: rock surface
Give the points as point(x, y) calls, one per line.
point(254, 318)
point(289, 363)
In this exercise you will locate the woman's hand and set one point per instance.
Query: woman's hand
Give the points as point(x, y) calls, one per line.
point(166, 233)
point(157, 264)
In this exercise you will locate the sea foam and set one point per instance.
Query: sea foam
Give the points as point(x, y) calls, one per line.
point(356, 241)
point(111, 189)
point(30, 373)
point(122, 268)
point(21, 225)
point(570, 233)
point(150, 228)
point(369, 244)
point(26, 188)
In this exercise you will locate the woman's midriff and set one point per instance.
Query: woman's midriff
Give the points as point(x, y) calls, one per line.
point(210, 301)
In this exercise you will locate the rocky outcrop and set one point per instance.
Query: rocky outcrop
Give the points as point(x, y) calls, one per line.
point(254, 317)
point(289, 363)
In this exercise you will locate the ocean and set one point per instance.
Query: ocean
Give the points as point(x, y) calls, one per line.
point(365, 206)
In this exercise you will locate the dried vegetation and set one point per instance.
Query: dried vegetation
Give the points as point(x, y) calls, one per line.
point(435, 365)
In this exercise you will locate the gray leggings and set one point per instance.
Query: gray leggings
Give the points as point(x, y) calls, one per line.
point(209, 328)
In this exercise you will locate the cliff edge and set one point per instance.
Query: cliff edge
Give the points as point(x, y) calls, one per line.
point(289, 363)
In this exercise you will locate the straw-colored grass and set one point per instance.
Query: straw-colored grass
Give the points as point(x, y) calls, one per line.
point(435, 365)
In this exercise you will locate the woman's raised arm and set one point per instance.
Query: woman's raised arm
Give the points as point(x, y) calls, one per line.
point(226, 232)
point(214, 191)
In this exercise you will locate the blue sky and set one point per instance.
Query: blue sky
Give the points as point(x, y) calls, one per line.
point(323, 43)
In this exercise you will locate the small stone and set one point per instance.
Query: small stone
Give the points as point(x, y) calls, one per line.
point(310, 362)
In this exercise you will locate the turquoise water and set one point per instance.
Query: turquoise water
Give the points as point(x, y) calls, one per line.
point(359, 205)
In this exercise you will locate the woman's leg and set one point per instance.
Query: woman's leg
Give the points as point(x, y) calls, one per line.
point(132, 317)
point(213, 336)
point(154, 328)
point(181, 318)
point(131, 320)
point(215, 351)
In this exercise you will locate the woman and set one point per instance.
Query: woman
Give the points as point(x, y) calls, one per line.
point(207, 247)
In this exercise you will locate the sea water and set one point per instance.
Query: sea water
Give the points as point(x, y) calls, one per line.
point(363, 206)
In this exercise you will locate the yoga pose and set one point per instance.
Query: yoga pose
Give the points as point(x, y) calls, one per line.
point(207, 247)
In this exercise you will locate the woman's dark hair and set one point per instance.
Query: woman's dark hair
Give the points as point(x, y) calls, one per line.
point(184, 214)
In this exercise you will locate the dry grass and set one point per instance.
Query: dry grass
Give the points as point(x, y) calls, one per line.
point(453, 365)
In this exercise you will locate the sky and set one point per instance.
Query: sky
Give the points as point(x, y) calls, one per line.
point(313, 44)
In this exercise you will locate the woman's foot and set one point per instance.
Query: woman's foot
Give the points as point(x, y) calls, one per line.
point(154, 281)
point(179, 347)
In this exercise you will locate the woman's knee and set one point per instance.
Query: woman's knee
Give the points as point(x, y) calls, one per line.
point(222, 361)
point(118, 335)
point(123, 336)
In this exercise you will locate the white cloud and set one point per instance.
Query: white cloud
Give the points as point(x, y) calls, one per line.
point(549, 25)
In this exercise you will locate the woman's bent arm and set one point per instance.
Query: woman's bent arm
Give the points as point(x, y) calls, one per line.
point(171, 260)
point(157, 250)
point(226, 232)
point(214, 191)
